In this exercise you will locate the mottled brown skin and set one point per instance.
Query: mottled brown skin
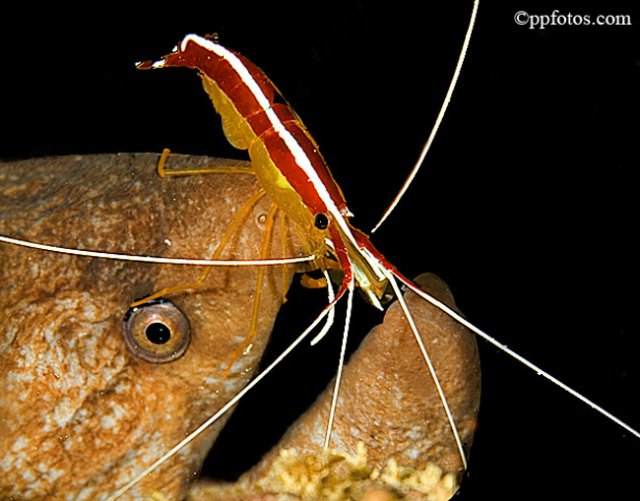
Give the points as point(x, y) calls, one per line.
point(388, 402)
point(79, 413)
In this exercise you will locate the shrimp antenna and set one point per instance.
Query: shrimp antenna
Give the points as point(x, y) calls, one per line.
point(425, 355)
point(436, 125)
point(338, 380)
point(503, 347)
point(155, 259)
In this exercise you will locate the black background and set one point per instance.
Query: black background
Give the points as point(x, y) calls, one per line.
point(527, 205)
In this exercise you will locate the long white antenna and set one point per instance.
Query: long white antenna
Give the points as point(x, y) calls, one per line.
point(155, 259)
point(343, 350)
point(427, 359)
point(436, 125)
point(503, 347)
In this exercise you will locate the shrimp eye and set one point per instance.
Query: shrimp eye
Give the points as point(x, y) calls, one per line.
point(157, 331)
point(322, 221)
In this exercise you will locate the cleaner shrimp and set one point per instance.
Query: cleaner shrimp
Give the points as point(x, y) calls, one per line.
point(539, 190)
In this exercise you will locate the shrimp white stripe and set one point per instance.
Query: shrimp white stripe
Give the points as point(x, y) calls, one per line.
point(301, 158)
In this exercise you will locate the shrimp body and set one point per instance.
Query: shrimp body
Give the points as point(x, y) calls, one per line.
point(291, 169)
point(286, 159)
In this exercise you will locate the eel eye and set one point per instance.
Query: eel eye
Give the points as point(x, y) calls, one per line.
point(321, 221)
point(156, 332)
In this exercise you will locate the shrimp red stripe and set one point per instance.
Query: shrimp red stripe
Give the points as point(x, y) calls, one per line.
point(291, 148)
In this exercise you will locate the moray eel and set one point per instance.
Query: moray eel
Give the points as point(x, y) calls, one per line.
point(83, 408)
point(80, 413)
